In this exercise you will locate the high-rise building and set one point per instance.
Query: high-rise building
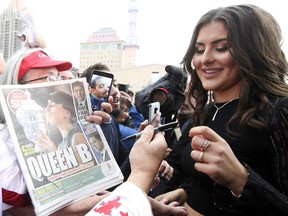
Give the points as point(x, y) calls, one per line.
point(105, 46)
point(10, 25)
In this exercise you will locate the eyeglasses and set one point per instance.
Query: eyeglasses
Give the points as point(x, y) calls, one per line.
point(50, 78)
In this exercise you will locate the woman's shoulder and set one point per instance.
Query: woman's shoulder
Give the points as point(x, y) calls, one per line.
point(77, 138)
point(75, 130)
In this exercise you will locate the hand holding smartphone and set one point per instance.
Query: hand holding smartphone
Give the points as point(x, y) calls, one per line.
point(100, 84)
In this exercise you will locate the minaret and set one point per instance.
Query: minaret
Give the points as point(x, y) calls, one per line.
point(132, 39)
point(131, 47)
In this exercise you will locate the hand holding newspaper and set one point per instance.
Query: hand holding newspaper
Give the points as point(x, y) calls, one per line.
point(63, 157)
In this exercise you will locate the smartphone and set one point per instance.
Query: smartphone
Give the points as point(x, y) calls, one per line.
point(123, 87)
point(154, 108)
point(100, 84)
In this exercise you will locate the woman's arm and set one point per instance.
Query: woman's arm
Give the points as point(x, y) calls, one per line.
point(273, 198)
point(220, 164)
point(78, 138)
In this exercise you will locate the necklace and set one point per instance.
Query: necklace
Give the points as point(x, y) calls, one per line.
point(219, 108)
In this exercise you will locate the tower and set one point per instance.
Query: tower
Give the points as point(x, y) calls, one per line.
point(106, 46)
point(132, 39)
point(131, 47)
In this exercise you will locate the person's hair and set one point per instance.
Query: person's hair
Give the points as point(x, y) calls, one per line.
point(74, 72)
point(71, 111)
point(97, 135)
point(255, 40)
point(124, 101)
point(89, 71)
point(77, 83)
point(12, 67)
point(93, 83)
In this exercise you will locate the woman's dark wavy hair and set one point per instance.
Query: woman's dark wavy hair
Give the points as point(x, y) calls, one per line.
point(255, 41)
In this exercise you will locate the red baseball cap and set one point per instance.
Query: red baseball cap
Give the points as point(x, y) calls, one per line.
point(40, 59)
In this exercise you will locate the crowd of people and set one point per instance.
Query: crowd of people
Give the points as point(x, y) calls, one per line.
point(230, 156)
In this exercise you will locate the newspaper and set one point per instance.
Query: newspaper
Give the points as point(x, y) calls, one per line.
point(58, 150)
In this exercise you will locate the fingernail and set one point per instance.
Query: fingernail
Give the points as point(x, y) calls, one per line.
point(145, 122)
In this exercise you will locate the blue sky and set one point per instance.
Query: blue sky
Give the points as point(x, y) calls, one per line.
point(164, 27)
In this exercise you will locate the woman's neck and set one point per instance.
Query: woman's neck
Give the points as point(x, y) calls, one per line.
point(228, 94)
point(224, 97)
point(64, 129)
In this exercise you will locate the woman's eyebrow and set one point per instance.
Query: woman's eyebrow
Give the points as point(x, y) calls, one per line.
point(213, 42)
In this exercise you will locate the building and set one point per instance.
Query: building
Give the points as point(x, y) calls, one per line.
point(10, 25)
point(105, 46)
point(139, 77)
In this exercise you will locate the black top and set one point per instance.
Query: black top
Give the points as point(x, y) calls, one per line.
point(265, 154)
point(67, 141)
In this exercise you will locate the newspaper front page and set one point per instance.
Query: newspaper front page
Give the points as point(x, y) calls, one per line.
point(63, 157)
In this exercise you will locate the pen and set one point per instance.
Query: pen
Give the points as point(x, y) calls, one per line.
point(164, 127)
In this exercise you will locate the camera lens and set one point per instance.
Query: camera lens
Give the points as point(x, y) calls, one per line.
point(159, 95)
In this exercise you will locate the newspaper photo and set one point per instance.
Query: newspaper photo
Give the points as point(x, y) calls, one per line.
point(63, 157)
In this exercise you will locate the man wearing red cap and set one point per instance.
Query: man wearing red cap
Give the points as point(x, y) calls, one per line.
point(21, 65)
point(40, 61)
point(28, 66)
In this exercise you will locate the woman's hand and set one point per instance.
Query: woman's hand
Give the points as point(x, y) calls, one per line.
point(45, 144)
point(161, 209)
point(215, 158)
point(165, 170)
point(177, 195)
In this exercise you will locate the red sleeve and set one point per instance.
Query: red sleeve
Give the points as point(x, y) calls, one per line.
point(15, 199)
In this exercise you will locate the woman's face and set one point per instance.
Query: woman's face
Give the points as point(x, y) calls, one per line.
point(215, 66)
point(56, 113)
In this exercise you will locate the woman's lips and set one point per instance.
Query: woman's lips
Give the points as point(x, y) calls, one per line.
point(211, 71)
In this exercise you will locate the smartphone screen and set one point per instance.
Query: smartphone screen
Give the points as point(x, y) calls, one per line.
point(154, 108)
point(100, 84)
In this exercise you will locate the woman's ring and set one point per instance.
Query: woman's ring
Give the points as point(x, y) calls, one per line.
point(204, 144)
